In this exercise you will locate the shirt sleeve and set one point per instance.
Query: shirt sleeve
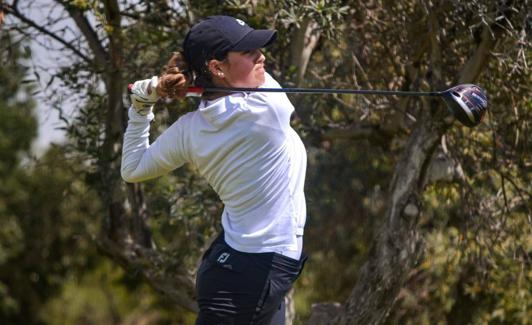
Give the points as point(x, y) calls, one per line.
point(142, 161)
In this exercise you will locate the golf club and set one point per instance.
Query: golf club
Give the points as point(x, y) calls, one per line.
point(467, 102)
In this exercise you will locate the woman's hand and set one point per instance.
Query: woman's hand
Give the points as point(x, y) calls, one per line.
point(144, 96)
point(173, 84)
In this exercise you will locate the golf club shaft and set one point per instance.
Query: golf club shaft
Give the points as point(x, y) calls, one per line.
point(198, 91)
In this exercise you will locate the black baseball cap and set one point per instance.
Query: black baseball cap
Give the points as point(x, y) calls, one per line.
point(215, 36)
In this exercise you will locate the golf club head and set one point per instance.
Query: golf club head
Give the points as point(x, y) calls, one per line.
point(467, 102)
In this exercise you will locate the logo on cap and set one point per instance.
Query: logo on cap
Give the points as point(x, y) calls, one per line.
point(240, 22)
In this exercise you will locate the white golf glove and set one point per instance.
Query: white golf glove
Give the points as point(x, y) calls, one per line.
point(143, 95)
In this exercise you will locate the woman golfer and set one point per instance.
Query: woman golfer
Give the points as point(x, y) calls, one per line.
point(243, 145)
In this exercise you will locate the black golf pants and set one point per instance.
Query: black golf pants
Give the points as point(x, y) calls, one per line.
point(236, 288)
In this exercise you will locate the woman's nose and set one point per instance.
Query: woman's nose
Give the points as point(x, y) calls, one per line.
point(261, 58)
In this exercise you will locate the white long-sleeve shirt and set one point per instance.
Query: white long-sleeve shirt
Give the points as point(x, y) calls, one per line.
point(244, 146)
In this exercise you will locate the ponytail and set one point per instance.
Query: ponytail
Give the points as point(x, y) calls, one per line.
point(177, 75)
point(174, 78)
point(177, 61)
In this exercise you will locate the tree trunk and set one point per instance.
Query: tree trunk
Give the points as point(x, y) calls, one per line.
point(398, 246)
point(125, 236)
point(303, 43)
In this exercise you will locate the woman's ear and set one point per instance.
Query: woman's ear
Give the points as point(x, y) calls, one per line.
point(216, 68)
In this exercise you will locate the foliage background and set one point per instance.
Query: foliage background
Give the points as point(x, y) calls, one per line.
point(476, 220)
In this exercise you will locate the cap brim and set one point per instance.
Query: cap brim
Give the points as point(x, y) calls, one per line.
point(256, 39)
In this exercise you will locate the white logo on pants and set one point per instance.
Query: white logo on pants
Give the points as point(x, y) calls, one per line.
point(223, 257)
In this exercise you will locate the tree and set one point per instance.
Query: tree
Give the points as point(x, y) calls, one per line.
point(404, 45)
point(42, 234)
point(17, 130)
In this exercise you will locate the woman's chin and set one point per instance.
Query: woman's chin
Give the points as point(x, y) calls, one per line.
point(261, 78)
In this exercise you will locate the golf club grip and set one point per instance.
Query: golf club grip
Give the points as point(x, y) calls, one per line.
point(191, 91)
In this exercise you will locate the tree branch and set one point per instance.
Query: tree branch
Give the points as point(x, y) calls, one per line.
point(178, 285)
point(100, 55)
point(476, 63)
point(303, 44)
point(14, 11)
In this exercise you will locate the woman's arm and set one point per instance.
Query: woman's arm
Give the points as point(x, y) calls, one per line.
point(140, 160)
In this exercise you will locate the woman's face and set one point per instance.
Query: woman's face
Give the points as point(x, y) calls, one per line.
point(241, 69)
